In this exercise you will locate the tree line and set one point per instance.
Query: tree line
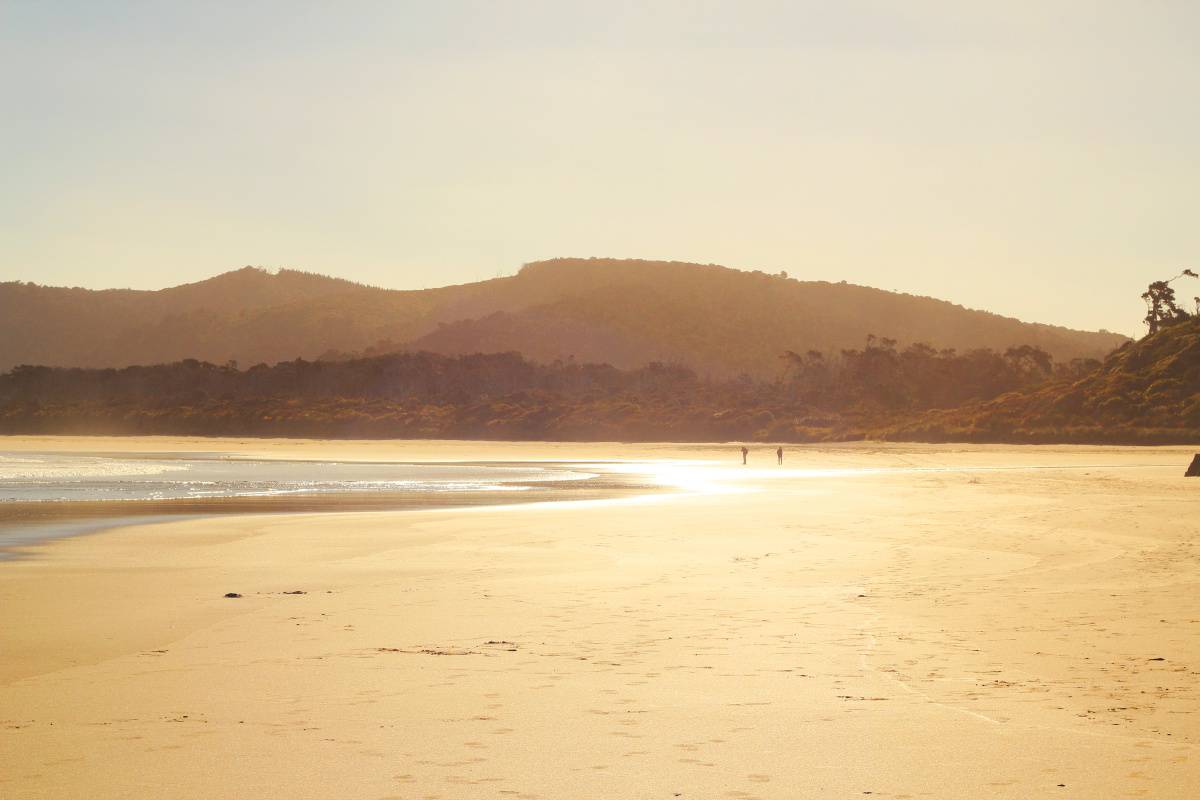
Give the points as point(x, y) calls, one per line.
point(505, 395)
point(920, 377)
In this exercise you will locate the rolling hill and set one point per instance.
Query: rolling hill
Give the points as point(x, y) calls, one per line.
point(716, 320)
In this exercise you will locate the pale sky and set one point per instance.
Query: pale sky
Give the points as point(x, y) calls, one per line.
point(1036, 158)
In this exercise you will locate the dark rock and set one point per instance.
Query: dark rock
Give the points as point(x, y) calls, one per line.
point(1194, 470)
point(232, 594)
point(296, 591)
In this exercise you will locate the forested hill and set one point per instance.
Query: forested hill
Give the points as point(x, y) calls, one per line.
point(715, 320)
point(1146, 392)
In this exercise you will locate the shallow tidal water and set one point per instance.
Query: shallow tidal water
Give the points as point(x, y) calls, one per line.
point(45, 495)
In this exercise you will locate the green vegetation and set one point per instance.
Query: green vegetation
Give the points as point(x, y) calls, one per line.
point(1146, 392)
point(505, 396)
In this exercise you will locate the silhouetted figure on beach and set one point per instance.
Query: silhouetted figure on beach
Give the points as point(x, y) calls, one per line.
point(745, 452)
point(779, 454)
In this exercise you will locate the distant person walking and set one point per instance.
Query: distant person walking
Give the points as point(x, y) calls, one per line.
point(779, 454)
point(745, 452)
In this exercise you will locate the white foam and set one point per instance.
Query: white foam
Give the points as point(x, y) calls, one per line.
point(50, 468)
point(53, 477)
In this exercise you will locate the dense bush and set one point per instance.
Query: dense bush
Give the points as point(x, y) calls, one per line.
point(878, 390)
point(1146, 392)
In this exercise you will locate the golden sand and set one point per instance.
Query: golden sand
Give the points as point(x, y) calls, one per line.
point(962, 623)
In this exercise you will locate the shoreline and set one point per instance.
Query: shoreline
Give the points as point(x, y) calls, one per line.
point(618, 477)
point(25, 524)
point(466, 451)
point(916, 430)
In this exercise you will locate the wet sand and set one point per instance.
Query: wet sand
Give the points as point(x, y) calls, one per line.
point(963, 622)
point(25, 523)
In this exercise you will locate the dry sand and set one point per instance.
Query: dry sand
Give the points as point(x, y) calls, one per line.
point(1022, 624)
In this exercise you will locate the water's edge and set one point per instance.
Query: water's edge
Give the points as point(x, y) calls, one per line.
point(24, 524)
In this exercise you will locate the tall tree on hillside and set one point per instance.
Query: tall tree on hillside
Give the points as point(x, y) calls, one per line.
point(1161, 309)
point(1029, 360)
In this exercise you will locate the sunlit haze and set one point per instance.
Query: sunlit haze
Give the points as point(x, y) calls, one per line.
point(1033, 159)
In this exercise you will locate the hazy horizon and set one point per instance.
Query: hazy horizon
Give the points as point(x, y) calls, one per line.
point(1030, 161)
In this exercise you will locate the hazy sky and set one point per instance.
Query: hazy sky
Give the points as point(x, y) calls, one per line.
point(1032, 157)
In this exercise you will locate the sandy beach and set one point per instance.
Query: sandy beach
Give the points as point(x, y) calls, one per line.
point(867, 620)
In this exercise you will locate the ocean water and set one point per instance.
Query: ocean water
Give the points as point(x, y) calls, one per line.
point(51, 495)
point(67, 477)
